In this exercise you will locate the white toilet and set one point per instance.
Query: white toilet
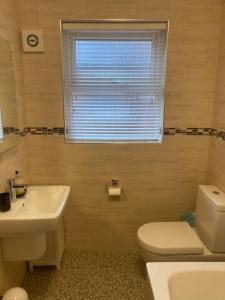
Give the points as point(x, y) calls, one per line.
point(177, 241)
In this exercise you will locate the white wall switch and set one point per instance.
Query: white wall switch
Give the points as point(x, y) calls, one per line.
point(33, 40)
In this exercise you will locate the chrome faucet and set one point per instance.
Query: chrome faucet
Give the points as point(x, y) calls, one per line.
point(12, 188)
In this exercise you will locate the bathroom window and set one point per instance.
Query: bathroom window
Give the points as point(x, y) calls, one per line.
point(114, 75)
point(1, 127)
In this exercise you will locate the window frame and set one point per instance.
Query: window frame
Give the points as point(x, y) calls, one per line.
point(104, 24)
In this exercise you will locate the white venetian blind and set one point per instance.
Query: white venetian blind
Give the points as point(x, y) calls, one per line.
point(114, 84)
point(1, 128)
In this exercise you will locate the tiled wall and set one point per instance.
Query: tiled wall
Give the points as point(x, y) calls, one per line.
point(11, 274)
point(217, 147)
point(160, 181)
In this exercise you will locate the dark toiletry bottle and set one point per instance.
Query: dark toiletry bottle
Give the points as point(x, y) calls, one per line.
point(5, 203)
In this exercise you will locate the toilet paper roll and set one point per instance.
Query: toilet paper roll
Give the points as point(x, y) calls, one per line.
point(114, 191)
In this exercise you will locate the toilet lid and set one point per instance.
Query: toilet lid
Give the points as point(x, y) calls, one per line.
point(169, 238)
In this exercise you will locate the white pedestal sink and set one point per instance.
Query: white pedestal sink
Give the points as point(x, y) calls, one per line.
point(23, 228)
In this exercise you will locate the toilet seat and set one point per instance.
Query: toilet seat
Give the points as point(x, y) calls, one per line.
point(169, 238)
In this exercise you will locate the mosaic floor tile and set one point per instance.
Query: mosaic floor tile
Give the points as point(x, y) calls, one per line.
point(90, 275)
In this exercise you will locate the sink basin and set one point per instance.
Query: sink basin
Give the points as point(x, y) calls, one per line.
point(38, 211)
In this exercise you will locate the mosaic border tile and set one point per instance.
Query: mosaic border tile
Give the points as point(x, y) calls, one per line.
point(34, 131)
point(187, 131)
point(219, 134)
point(11, 130)
point(44, 130)
point(167, 131)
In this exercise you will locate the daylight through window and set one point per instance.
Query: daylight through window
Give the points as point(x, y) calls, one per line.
point(114, 84)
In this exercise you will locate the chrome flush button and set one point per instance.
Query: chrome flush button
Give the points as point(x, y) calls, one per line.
point(216, 192)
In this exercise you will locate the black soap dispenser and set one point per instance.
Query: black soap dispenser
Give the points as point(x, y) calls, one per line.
point(5, 203)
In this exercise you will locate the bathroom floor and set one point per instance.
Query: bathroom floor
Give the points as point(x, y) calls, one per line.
point(90, 275)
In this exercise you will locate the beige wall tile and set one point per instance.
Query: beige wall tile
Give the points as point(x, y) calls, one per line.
point(216, 171)
point(160, 181)
point(112, 9)
point(11, 274)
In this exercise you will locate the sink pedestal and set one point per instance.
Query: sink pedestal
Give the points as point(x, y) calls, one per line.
point(23, 247)
point(55, 246)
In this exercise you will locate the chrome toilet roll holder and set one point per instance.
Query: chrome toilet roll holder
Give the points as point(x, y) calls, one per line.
point(114, 183)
